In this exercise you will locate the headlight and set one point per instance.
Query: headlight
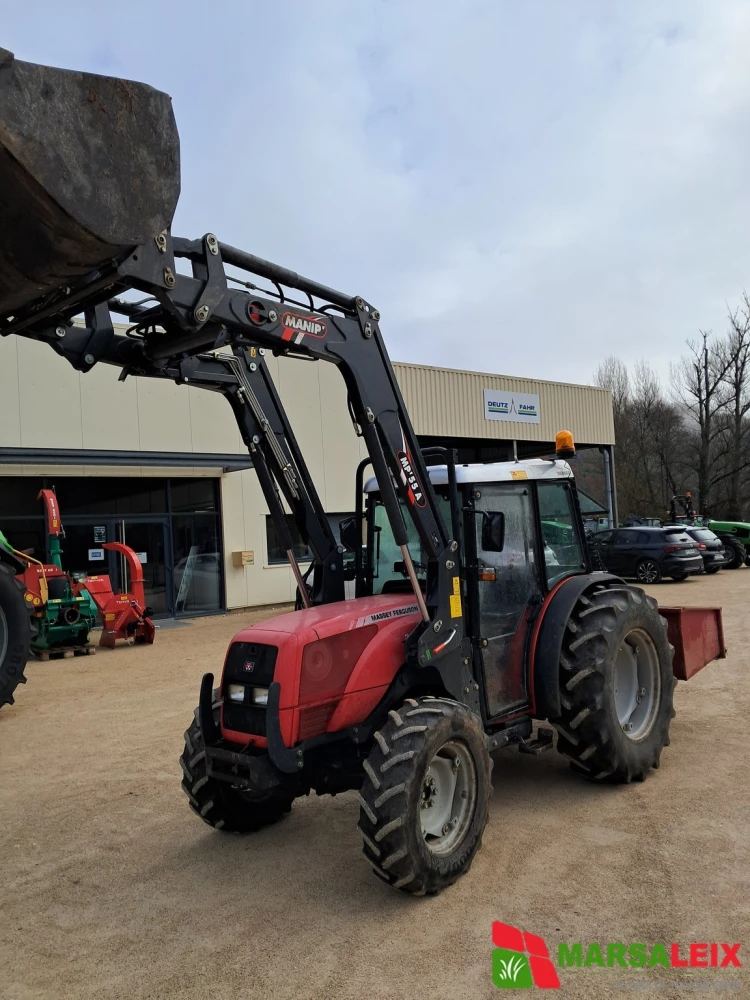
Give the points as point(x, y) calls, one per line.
point(259, 696)
point(236, 692)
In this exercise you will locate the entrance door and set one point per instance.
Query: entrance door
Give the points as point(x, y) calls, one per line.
point(509, 595)
point(149, 539)
point(82, 546)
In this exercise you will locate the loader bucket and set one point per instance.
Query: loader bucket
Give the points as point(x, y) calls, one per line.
point(89, 169)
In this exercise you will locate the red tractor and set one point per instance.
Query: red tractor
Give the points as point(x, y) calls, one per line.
point(477, 610)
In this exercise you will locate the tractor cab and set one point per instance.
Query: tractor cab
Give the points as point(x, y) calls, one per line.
point(520, 533)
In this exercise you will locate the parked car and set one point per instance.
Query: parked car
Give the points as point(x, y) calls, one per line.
point(711, 548)
point(648, 554)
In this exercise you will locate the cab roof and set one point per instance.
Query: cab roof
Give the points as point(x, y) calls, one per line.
point(494, 472)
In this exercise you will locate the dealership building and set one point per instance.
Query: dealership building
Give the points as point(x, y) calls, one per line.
point(162, 467)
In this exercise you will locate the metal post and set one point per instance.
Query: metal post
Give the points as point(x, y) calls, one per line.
point(412, 574)
point(303, 591)
point(515, 450)
point(608, 488)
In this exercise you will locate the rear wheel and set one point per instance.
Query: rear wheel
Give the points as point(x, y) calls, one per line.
point(216, 802)
point(616, 685)
point(648, 571)
point(425, 798)
point(15, 634)
point(734, 553)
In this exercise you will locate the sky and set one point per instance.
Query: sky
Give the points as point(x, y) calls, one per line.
point(521, 188)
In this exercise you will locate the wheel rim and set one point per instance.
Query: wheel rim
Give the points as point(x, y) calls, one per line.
point(648, 572)
point(449, 792)
point(3, 635)
point(728, 553)
point(637, 684)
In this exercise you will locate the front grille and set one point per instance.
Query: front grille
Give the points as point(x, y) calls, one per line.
point(249, 719)
point(251, 664)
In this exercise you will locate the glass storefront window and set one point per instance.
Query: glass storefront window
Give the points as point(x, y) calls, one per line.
point(197, 563)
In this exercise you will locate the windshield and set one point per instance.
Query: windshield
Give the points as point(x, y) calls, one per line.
point(703, 535)
point(388, 570)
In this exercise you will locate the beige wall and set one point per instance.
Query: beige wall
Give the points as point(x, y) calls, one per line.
point(445, 402)
point(44, 403)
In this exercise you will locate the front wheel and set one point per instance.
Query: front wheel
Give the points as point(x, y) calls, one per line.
point(710, 570)
point(15, 634)
point(735, 553)
point(616, 685)
point(216, 802)
point(648, 571)
point(425, 798)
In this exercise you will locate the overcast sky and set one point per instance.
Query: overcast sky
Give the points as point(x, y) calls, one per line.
point(519, 187)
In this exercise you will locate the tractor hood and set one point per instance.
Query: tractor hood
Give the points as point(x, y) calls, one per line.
point(342, 616)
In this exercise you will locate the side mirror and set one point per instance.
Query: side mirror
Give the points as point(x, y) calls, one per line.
point(493, 531)
point(350, 534)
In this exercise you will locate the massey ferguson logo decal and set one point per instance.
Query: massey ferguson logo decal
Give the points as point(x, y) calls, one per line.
point(296, 327)
point(415, 493)
point(381, 616)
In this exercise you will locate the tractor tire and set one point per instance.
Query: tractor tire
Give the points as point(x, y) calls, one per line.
point(616, 685)
point(648, 571)
point(217, 803)
point(735, 553)
point(424, 802)
point(15, 634)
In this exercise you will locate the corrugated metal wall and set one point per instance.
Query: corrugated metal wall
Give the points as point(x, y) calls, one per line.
point(448, 403)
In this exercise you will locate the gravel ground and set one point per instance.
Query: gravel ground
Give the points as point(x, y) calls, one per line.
point(112, 888)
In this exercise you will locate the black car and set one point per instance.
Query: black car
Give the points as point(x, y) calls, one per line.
point(710, 546)
point(647, 554)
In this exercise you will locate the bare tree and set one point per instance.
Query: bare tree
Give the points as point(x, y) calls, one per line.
point(613, 374)
point(736, 359)
point(699, 384)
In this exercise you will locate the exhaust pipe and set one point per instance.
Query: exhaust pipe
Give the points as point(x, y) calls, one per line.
point(71, 616)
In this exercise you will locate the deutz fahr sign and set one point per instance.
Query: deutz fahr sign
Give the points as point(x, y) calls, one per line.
point(520, 407)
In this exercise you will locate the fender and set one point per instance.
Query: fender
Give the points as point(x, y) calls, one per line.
point(547, 640)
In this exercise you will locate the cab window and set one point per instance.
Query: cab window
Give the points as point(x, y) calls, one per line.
point(388, 570)
point(563, 552)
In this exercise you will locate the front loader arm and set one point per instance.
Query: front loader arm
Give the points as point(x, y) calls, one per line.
point(198, 312)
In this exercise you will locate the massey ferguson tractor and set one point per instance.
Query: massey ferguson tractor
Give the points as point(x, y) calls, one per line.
point(477, 613)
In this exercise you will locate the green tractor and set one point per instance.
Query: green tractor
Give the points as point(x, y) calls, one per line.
point(15, 623)
point(735, 535)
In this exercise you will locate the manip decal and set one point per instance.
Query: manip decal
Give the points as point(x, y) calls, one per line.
point(409, 479)
point(297, 326)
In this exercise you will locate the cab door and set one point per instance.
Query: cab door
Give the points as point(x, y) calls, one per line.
point(509, 594)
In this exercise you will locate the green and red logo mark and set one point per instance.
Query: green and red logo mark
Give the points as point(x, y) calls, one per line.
point(520, 960)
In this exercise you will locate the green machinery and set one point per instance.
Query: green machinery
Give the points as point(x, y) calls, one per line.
point(62, 609)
